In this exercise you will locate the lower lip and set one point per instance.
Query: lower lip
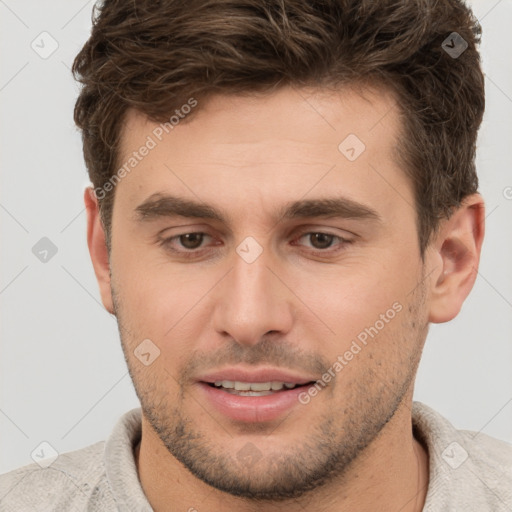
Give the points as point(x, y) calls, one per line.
point(252, 408)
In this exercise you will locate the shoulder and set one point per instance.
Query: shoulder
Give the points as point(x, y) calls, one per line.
point(467, 469)
point(72, 480)
point(488, 452)
point(101, 476)
point(489, 461)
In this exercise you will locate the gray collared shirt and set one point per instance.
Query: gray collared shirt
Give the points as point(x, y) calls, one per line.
point(469, 472)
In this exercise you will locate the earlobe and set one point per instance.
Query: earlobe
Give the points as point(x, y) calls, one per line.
point(96, 242)
point(457, 246)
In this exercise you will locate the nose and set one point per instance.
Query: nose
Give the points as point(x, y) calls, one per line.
point(252, 301)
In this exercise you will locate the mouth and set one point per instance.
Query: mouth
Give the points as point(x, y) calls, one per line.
point(254, 395)
point(248, 389)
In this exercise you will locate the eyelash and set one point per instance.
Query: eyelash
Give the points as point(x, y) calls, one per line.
point(191, 253)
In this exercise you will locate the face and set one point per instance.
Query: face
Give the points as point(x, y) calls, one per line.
point(256, 245)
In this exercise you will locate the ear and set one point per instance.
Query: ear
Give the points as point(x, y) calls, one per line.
point(456, 251)
point(98, 248)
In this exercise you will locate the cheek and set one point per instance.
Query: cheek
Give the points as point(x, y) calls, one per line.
point(350, 299)
point(164, 302)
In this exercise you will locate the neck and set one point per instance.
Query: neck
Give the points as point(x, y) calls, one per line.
point(391, 474)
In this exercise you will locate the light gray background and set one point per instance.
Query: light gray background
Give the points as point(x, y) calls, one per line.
point(63, 375)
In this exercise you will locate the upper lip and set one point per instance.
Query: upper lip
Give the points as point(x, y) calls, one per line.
point(259, 375)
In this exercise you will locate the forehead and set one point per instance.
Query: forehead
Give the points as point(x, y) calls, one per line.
point(279, 144)
point(307, 114)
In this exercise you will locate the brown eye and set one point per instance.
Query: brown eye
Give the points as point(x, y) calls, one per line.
point(323, 243)
point(191, 240)
point(186, 244)
point(321, 240)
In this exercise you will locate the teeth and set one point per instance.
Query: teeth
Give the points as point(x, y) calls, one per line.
point(261, 386)
point(254, 386)
point(228, 384)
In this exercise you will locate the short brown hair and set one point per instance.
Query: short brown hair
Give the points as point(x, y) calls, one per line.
point(153, 55)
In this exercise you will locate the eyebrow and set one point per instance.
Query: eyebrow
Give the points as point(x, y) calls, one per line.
point(160, 205)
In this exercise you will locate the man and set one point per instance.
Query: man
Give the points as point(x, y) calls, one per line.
point(284, 198)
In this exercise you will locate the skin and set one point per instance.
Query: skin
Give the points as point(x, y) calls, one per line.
point(295, 307)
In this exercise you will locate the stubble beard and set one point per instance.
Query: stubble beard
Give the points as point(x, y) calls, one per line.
point(322, 457)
